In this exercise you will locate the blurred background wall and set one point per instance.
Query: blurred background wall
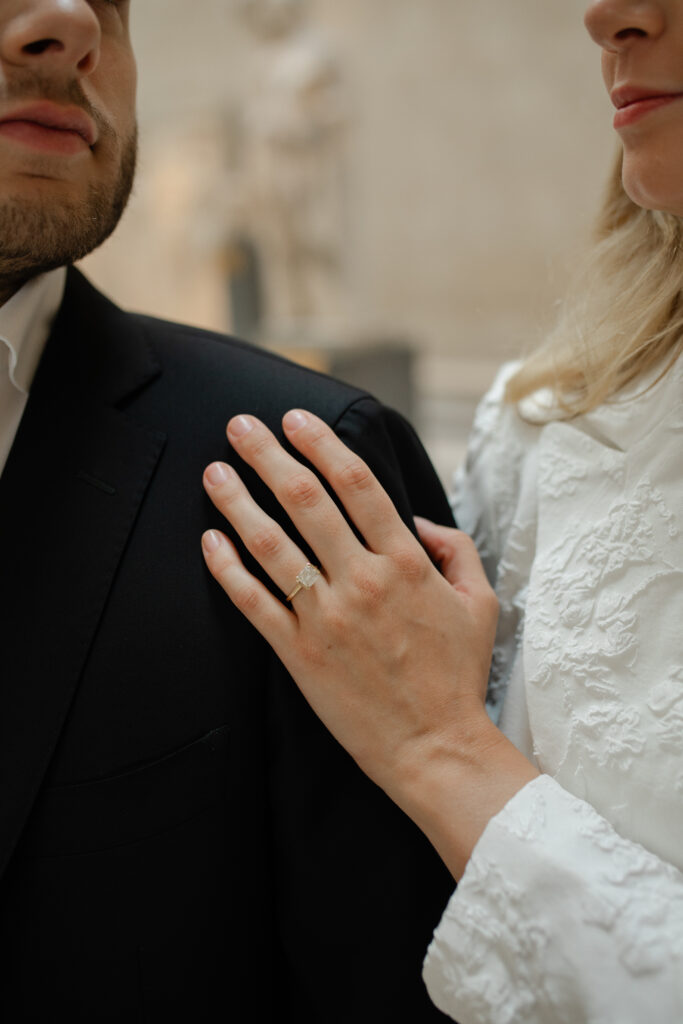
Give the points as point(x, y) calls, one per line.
point(392, 190)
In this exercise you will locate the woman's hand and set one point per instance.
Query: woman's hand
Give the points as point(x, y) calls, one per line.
point(391, 655)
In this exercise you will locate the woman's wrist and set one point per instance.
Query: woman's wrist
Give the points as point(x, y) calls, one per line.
point(458, 781)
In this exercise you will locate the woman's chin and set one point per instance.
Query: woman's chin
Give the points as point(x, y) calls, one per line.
point(653, 188)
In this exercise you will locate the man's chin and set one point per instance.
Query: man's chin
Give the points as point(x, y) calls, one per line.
point(20, 166)
point(47, 222)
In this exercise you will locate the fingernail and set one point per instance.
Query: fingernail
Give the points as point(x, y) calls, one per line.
point(218, 473)
point(295, 420)
point(211, 541)
point(240, 425)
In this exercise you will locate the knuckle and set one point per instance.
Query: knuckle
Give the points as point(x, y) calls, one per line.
point(355, 476)
point(301, 490)
point(464, 540)
point(312, 653)
point(227, 493)
point(265, 543)
point(221, 563)
point(317, 435)
point(335, 623)
point(367, 584)
point(260, 443)
point(411, 563)
point(246, 599)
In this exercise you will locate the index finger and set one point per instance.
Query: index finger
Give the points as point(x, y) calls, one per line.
point(367, 503)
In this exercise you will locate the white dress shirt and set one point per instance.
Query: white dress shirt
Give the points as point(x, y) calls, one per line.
point(571, 906)
point(25, 322)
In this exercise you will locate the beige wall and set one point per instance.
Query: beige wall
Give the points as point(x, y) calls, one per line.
point(478, 138)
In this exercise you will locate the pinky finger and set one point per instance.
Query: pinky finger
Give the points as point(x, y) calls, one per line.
point(274, 622)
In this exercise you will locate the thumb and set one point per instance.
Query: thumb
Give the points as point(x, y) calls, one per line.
point(453, 551)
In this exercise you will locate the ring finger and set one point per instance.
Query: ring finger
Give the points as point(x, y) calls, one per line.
point(263, 538)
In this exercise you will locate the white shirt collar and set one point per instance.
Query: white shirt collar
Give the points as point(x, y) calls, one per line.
point(25, 322)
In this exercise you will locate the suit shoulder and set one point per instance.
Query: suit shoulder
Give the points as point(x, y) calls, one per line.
point(219, 358)
point(195, 361)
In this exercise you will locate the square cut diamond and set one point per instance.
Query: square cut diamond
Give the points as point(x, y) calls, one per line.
point(308, 576)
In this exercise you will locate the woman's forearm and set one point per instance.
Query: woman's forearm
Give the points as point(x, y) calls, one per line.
point(457, 783)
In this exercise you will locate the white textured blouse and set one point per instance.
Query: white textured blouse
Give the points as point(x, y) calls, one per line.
point(571, 906)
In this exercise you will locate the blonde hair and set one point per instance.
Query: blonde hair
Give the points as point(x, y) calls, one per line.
point(624, 314)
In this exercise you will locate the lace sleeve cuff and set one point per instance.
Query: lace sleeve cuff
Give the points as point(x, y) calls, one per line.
point(558, 918)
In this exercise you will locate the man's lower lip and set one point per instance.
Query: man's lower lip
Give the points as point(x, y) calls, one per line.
point(44, 139)
point(634, 111)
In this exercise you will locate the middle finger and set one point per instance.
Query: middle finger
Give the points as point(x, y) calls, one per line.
point(298, 490)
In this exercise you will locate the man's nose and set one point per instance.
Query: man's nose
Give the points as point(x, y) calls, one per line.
point(51, 36)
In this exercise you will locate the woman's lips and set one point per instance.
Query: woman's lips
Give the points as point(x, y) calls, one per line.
point(41, 137)
point(634, 111)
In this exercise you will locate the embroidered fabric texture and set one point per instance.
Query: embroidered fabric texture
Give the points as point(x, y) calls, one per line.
point(571, 907)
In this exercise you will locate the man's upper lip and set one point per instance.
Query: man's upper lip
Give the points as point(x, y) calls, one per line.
point(52, 115)
point(625, 95)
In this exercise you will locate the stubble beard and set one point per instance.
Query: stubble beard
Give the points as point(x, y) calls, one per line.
point(45, 231)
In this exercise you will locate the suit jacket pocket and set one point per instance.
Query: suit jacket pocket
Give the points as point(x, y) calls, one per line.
point(131, 806)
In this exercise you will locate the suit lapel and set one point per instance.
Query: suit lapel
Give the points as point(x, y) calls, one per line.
point(69, 496)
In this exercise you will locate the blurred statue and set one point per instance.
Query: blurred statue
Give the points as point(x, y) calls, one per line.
point(293, 181)
point(273, 18)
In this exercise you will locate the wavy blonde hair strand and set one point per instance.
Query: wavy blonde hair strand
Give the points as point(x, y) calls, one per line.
point(624, 313)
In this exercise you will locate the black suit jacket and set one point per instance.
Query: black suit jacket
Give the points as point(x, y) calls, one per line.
point(178, 832)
